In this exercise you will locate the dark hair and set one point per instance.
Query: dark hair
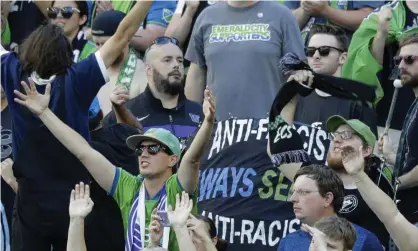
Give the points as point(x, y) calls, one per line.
point(95, 122)
point(83, 7)
point(410, 39)
point(338, 229)
point(221, 245)
point(327, 181)
point(46, 51)
point(332, 30)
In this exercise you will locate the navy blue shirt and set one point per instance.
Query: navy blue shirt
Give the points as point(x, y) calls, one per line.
point(82, 81)
point(300, 241)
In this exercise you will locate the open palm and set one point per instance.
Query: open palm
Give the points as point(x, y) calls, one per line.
point(209, 105)
point(353, 159)
point(34, 101)
point(80, 202)
point(179, 216)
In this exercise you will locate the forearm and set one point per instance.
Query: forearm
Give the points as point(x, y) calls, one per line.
point(209, 246)
point(301, 16)
point(180, 25)
point(184, 240)
point(195, 83)
point(349, 19)
point(124, 116)
point(288, 112)
point(13, 184)
point(410, 179)
point(76, 240)
point(378, 46)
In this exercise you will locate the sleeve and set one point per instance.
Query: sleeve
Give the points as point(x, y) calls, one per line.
point(174, 187)
point(282, 245)
point(7, 59)
point(367, 4)
point(89, 76)
point(124, 186)
point(109, 119)
point(9, 66)
point(292, 41)
point(292, 4)
point(196, 49)
point(161, 12)
point(360, 64)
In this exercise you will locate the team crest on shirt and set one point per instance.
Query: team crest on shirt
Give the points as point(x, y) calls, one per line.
point(167, 15)
point(350, 203)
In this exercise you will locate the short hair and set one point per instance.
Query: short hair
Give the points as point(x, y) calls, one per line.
point(410, 39)
point(327, 181)
point(46, 51)
point(338, 229)
point(332, 30)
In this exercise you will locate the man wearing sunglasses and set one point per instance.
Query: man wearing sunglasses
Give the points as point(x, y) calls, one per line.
point(163, 103)
point(405, 159)
point(326, 54)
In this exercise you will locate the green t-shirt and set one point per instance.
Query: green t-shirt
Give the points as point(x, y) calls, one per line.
point(126, 186)
point(5, 35)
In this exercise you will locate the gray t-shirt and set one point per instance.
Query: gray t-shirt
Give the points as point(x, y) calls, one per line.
point(241, 49)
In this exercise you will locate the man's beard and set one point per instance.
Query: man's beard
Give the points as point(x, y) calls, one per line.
point(164, 85)
point(335, 162)
point(412, 80)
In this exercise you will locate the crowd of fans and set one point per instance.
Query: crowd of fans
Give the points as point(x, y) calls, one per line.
point(143, 125)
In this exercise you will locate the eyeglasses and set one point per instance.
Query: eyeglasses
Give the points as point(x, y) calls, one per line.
point(407, 59)
point(323, 50)
point(163, 40)
point(300, 192)
point(152, 149)
point(344, 135)
point(66, 12)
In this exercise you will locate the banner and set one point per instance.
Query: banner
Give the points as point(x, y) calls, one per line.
point(241, 190)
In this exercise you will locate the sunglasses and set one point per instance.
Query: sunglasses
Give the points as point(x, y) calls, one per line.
point(407, 59)
point(66, 12)
point(163, 40)
point(323, 51)
point(152, 149)
point(344, 135)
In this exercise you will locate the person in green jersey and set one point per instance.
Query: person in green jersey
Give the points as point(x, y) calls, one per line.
point(5, 30)
point(159, 153)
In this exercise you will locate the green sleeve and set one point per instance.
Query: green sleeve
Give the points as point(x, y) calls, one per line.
point(174, 187)
point(124, 187)
point(88, 49)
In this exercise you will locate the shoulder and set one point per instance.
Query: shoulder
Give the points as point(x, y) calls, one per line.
point(295, 241)
point(365, 238)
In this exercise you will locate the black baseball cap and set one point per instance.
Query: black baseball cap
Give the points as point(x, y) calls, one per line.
point(106, 23)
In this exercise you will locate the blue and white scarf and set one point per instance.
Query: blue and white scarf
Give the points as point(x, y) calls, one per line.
point(135, 240)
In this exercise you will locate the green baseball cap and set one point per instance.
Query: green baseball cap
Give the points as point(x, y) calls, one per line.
point(159, 135)
point(361, 129)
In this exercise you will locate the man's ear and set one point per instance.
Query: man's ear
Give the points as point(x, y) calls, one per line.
point(367, 151)
point(173, 161)
point(343, 58)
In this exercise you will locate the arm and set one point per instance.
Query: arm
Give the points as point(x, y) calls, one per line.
point(302, 17)
point(7, 174)
point(195, 83)
point(409, 179)
point(181, 23)
point(183, 239)
point(188, 173)
point(42, 6)
point(378, 47)
point(80, 206)
point(157, 20)
point(349, 19)
point(118, 98)
point(126, 30)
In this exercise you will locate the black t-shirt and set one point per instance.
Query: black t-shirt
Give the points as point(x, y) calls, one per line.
point(24, 17)
point(356, 211)
point(405, 95)
point(7, 194)
point(106, 224)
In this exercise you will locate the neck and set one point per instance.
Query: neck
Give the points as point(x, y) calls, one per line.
point(241, 4)
point(348, 180)
point(168, 101)
point(415, 89)
point(3, 103)
point(412, 5)
point(338, 73)
point(72, 36)
point(153, 185)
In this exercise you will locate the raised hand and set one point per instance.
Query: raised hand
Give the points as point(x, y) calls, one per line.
point(385, 15)
point(7, 171)
point(318, 237)
point(198, 227)
point(184, 206)
point(303, 77)
point(80, 201)
point(34, 101)
point(386, 148)
point(155, 229)
point(119, 95)
point(209, 105)
point(314, 7)
point(353, 159)
point(103, 5)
